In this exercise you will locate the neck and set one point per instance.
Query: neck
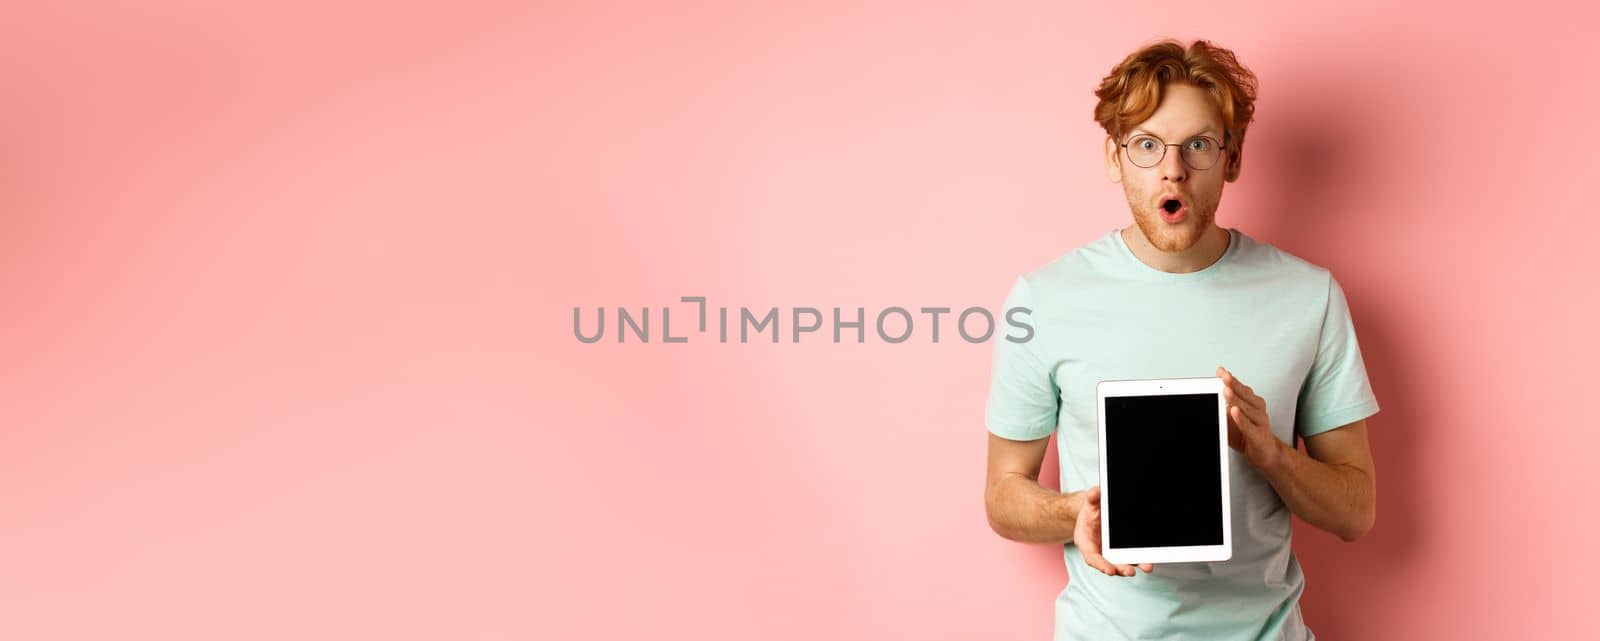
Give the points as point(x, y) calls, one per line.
point(1213, 244)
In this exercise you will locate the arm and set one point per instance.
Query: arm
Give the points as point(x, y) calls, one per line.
point(1333, 484)
point(1022, 510)
point(1025, 402)
point(1019, 508)
point(1332, 487)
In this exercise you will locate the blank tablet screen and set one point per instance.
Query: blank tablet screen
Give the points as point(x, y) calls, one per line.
point(1163, 471)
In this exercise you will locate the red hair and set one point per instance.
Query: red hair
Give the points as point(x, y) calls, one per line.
point(1133, 89)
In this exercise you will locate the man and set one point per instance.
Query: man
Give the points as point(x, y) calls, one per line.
point(1171, 296)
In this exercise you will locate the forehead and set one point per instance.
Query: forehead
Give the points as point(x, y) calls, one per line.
point(1185, 110)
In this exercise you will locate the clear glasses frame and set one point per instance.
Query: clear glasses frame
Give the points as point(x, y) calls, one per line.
point(1196, 159)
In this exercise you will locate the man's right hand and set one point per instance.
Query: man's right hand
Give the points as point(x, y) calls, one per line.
point(1087, 537)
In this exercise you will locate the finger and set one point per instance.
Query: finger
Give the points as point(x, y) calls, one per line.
point(1255, 400)
point(1125, 570)
point(1147, 567)
point(1232, 397)
point(1250, 428)
point(1094, 560)
point(1246, 426)
point(1245, 392)
point(1237, 398)
point(1248, 395)
point(1245, 423)
point(1229, 380)
point(1235, 438)
point(1257, 415)
point(1092, 556)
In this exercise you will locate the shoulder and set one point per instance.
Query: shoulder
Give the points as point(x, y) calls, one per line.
point(1262, 260)
point(1074, 267)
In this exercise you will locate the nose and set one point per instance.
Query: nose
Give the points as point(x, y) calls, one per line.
point(1173, 168)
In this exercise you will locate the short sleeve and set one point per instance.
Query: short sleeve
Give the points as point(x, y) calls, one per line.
point(1023, 396)
point(1336, 391)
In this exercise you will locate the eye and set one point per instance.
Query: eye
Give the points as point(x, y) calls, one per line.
point(1198, 144)
point(1145, 144)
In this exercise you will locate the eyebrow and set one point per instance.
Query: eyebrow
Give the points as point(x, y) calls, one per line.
point(1207, 130)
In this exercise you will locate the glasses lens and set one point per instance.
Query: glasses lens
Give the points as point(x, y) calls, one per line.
point(1145, 151)
point(1201, 153)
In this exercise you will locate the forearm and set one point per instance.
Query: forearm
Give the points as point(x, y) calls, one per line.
point(1022, 510)
point(1341, 499)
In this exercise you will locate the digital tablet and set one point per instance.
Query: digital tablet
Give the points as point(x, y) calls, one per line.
point(1164, 471)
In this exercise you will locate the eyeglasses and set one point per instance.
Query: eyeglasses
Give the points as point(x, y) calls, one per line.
point(1199, 152)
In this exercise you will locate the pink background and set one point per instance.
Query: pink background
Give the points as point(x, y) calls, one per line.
point(288, 292)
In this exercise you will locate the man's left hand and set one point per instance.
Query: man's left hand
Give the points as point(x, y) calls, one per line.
point(1249, 427)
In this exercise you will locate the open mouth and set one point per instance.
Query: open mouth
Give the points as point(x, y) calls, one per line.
point(1171, 205)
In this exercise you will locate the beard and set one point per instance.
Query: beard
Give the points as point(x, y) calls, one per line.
point(1173, 238)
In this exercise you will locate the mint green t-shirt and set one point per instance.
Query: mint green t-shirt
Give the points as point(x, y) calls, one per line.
point(1279, 323)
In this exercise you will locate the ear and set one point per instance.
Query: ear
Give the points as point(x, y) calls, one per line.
point(1235, 159)
point(1113, 160)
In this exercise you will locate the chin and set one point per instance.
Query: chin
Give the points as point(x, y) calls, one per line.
point(1173, 238)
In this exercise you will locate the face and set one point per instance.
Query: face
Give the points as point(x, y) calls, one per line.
point(1185, 111)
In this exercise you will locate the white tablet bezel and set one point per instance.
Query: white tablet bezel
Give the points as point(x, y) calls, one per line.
point(1174, 554)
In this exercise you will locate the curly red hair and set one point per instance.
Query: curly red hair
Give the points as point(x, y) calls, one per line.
point(1133, 89)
